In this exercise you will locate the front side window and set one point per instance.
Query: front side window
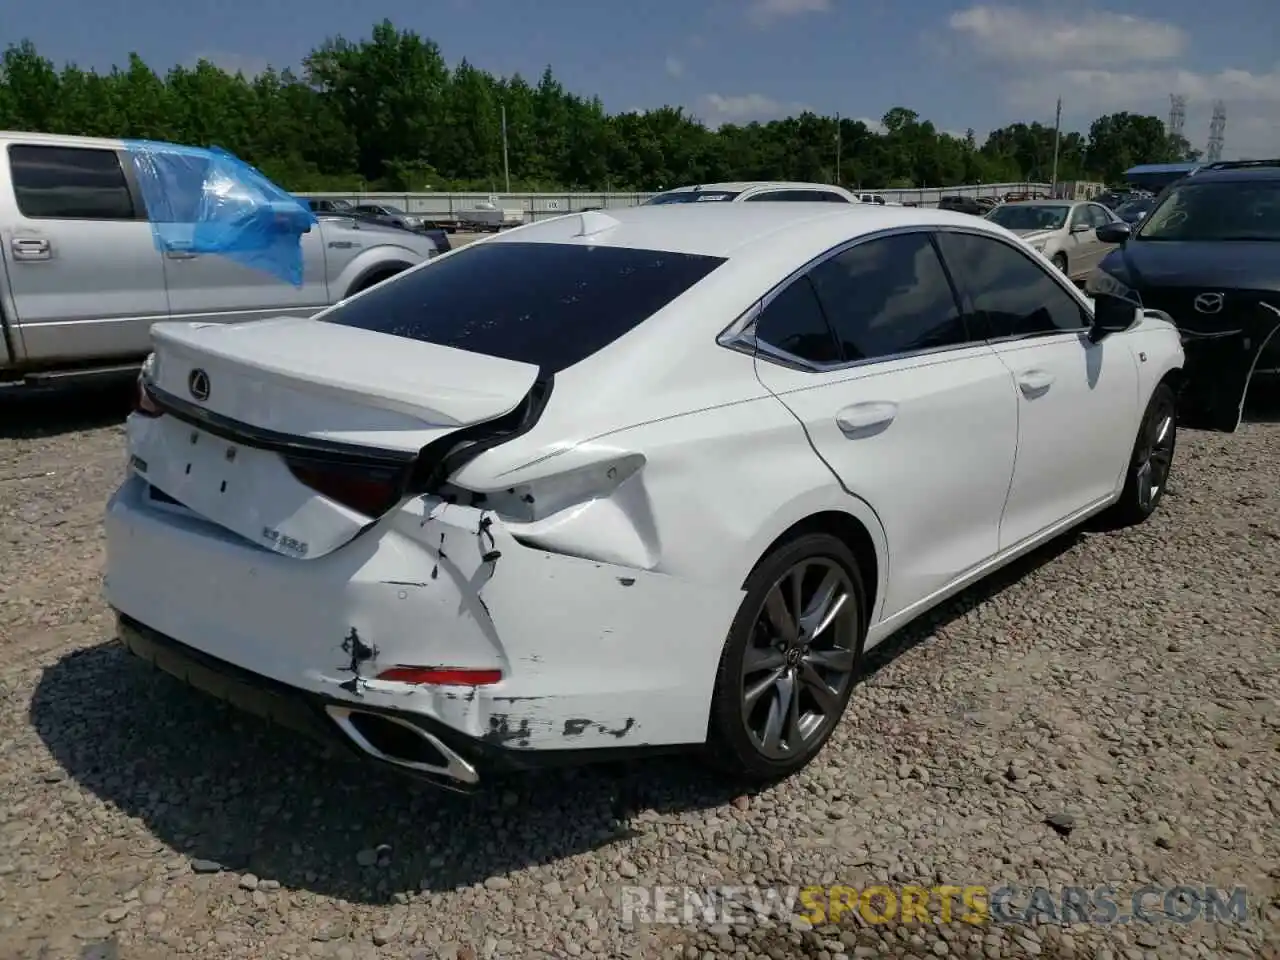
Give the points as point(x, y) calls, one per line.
point(70, 183)
point(1223, 211)
point(793, 322)
point(1080, 217)
point(1098, 216)
point(1012, 294)
point(548, 304)
point(889, 296)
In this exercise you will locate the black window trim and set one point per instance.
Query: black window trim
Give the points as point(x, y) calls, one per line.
point(140, 214)
point(1055, 275)
point(740, 337)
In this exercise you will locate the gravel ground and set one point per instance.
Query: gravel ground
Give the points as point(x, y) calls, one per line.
point(1125, 685)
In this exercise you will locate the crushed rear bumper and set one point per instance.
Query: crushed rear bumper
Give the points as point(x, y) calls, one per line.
point(307, 714)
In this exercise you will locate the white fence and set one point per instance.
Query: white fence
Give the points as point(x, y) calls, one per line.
point(539, 206)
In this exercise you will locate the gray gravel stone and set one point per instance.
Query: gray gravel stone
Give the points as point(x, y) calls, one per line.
point(1123, 686)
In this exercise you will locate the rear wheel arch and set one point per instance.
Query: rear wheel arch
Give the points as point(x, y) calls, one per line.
point(853, 533)
point(376, 274)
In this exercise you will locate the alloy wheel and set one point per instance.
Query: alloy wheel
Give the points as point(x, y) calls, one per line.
point(1156, 458)
point(797, 669)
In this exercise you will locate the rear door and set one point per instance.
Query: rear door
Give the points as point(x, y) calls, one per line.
point(85, 273)
point(912, 411)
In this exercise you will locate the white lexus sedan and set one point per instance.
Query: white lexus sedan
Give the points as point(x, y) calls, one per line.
point(622, 482)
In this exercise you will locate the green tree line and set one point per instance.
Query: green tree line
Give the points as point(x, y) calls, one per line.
point(388, 113)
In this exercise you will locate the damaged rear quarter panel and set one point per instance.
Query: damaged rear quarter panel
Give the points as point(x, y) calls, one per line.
point(595, 654)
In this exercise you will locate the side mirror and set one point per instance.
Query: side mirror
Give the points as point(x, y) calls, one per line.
point(1111, 315)
point(1114, 232)
point(1080, 227)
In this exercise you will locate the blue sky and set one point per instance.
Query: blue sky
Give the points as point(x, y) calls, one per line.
point(959, 64)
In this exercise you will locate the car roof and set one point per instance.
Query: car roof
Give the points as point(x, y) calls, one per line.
point(730, 229)
point(742, 186)
point(1236, 175)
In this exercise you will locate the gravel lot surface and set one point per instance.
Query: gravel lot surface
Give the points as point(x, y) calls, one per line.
point(1125, 685)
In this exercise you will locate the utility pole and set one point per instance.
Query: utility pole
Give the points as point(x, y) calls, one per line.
point(838, 183)
point(1057, 139)
point(506, 167)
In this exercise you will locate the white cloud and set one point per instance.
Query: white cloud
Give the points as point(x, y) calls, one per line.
point(1252, 100)
point(1040, 57)
point(234, 63)
point(674, 67)
point(716, 109)
point(764, 12)
point(1010, 34)
point(874, 125)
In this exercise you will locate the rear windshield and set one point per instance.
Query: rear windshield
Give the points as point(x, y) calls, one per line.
point(549, 304)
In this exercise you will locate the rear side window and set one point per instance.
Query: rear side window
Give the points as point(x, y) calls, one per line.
point(793, 322)
point(549, 304)
point(69, 183)
point(888, 297)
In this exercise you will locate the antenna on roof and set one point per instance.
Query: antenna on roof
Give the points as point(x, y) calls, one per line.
point(592, 222)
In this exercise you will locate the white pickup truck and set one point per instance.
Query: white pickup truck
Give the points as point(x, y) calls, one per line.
point(83, 276)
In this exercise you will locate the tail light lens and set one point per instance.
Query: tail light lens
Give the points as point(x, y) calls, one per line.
point(143, 403)
point(371, 491)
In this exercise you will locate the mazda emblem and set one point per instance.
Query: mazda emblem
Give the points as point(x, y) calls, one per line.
point(1208, 303)
point(198, 384)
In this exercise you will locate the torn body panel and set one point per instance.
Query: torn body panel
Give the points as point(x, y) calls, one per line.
point(587, 659)
point(1222, 358)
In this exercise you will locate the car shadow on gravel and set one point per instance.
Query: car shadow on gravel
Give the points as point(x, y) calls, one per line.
point(217, 785)
point(28, 414)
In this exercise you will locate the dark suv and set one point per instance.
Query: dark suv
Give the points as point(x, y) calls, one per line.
point(1208, 254)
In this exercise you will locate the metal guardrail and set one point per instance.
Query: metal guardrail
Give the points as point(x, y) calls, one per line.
point(540, 206)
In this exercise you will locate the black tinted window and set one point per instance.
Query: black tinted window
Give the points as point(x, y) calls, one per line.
point(70, 183)
point(1013, 294)
point(550, 304)
point(793, 322)
point(889, 296)
point(795, 196)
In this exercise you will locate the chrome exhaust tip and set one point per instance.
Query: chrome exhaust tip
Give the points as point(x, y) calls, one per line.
point(402, 744)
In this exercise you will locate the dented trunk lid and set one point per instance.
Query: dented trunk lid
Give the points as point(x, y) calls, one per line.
point(297, 434)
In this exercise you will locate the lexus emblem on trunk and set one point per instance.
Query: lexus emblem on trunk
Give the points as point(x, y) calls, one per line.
point(1206, 303)
point(198, 384)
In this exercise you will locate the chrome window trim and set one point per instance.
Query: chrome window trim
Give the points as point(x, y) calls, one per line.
point(739, 335)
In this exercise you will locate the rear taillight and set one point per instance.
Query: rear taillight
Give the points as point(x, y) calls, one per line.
point(144, 404)
point(366, 490)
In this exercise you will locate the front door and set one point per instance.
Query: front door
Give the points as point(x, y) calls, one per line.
point(84, 270)
point(1077, 400)
point(213, 287)
point(910, 413)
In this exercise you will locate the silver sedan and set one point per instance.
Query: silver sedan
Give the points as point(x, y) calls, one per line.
point(1065, 231)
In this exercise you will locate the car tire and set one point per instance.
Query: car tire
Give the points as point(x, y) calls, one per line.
point(758, 681)
point(1060, 261)
point(1151, 462)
